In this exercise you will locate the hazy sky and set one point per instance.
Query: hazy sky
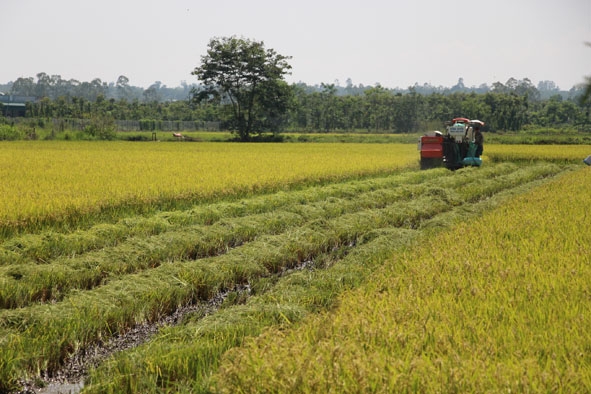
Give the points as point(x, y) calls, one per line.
point(394, 43)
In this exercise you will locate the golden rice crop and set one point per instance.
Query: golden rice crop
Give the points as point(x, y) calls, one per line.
point(499, 304)
point(562, 153)
point(48, 178)
point(144, 266)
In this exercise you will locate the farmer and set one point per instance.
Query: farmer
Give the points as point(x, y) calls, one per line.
point(469, 133)
point(479, 140)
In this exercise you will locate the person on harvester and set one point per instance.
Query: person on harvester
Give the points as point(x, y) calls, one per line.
point(478, 140)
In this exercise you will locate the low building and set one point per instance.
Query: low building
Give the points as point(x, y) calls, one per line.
point(14, 106)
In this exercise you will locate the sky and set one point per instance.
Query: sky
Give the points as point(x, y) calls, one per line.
point(395, 43)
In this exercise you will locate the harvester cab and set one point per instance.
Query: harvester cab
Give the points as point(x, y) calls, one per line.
point(459, 146)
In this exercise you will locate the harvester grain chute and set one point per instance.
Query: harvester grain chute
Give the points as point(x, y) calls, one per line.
point(459, 146)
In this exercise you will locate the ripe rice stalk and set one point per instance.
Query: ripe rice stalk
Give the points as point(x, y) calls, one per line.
point(353, 214)
point(500, 303)
point(81, 178)
point(84, 271)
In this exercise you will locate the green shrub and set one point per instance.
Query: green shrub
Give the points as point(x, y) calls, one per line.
point(9, 133)
point(102, 128)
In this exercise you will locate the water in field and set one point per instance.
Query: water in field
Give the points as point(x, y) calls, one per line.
point(61, 388)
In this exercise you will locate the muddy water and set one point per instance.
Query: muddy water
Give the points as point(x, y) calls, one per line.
point(70, 379)
point(61, 388)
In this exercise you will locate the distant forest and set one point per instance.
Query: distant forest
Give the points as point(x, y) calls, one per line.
point(54, 86)
point(510, 106)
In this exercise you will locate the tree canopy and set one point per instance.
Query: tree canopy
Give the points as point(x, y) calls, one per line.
point(248, 76)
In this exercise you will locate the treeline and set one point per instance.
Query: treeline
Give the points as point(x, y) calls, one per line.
point(511, 106)
point(54, 87)
point(380, 110)
point(80, 108)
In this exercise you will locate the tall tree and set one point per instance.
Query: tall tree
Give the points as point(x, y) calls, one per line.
point(242, 72)
point(379, 108)
point(23, 87)
point(329, 106)
point(122, 87)
point(586, 97)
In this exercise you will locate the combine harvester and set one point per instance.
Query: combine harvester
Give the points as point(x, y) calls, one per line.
point(460, 146)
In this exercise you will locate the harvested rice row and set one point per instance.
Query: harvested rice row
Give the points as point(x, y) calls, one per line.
point(44, 246)
point(499, 304)
point(25, 282)
point(44, 335)
point(186, 355)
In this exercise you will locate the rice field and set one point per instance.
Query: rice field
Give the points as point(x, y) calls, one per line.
point(272, 241)
point(529, 153)
point(63, 180)
point(499, 304)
